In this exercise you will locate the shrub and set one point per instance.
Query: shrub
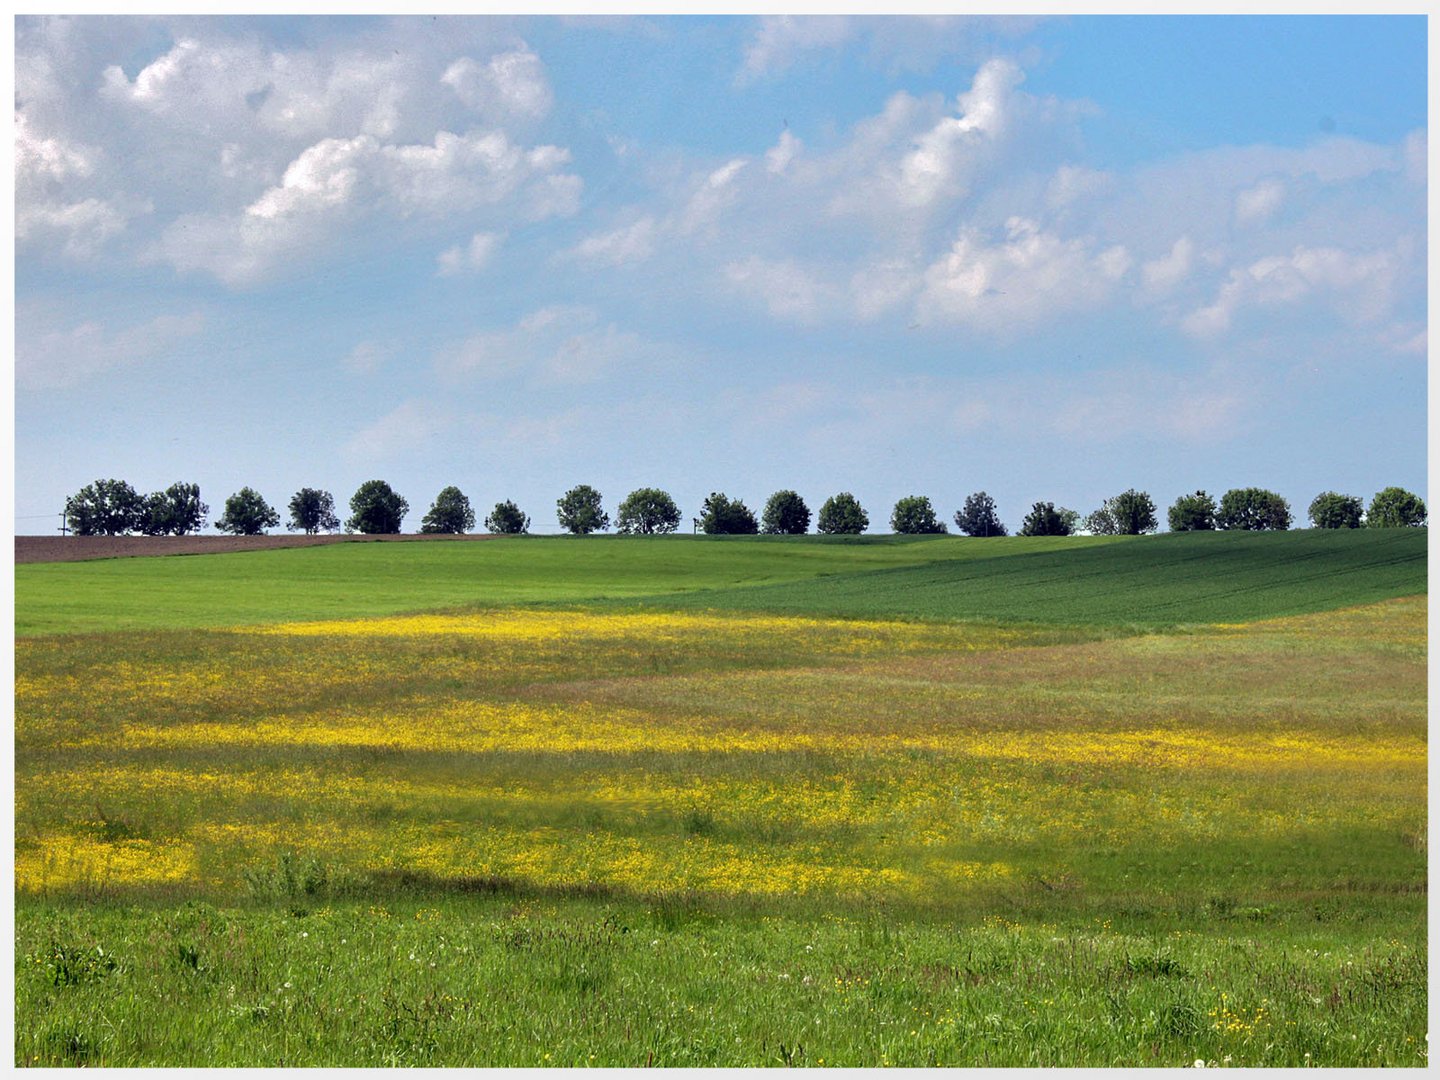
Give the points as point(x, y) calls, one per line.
point(450, 513)
point(507, 520)
point(647, 511)
point(1395, 508)
point(1192, 513)
point(914, 515)
point(247, 514)
point(722, 516)
point(842, 515)
point(580, 511)
point(1331, 510)
point(376, 508)
point(313, 511)
point(1253, 509)
point(104, 508)
point(785, 515)
point(1046, 519)
point(978, 517)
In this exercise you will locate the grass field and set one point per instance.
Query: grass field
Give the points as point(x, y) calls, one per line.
point(582, 812)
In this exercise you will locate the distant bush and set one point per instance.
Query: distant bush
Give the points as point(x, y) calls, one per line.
point(914, 515)
point(1130, 513)
point(1253, 509)
point(580, 511)
point(312, 511)
point(507, 520)
point(450, 513)
point(376, 508)
point(1330, 510)
point(1395, 508)
point(842, 515)
point(724, 516)
point(1047, 519)
point(785, 515)
point(1192, 513)
point(104, 508)
point(978, 517)
point(175, 511)
point(247, 514)
point(646, 511)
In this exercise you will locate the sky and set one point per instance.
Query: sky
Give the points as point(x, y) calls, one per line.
point(1047, 258)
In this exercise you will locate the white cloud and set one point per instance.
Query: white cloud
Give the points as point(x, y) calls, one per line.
point(787, 289)
point(780, 40)
point(1165, 273)
point(408, 428)
point(628, 244)
point(1359, 285)
point(510, 86)
point(1256, 205)
point(475, 255)
point(48, 357)
point(561, 345)
point(366, 358)
point(779, 156)
point(1030, 277)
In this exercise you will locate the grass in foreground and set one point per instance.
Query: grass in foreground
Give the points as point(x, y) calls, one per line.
point(702, 839)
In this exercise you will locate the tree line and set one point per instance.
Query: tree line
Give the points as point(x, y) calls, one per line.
point(113, 508)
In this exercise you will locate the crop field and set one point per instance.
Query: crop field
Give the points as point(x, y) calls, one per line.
point(675, 802)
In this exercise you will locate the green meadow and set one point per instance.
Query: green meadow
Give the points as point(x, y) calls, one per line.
point(736, 801)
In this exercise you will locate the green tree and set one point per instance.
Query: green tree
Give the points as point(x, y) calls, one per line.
point(507, 520)
point(1047, 519)
point(1128, 514)
point(175, 511)
point(376, 508)
point(721, 515)
point(247, 514)
point(842, 515)
point(647, 511)
point(1253, 509)
point(581, 512)
point(978, 517)
point(1192, 513)
point(1331, 510)
point(1395, 508)
point(312, 511)
point(104, 508)
point(450, 513)
point(914, 514)
point(785, 515)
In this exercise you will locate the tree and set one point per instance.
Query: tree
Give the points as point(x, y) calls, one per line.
point(104, 508)
point(647, 511)
point(177, 510)
point(842, 515)
point(1395, 508)
point(785, 515)
point(1331, 510)
point(581, 512)
point(247, 514)
point(914, 514)
point(1192, 513)
point(978, 517)
point(721, 515)
point(376, 508)
point(313, 511)
point(449, 513)
point(1047, 519)
point(1254, 509)
point(1128, 514)
point(507, 519)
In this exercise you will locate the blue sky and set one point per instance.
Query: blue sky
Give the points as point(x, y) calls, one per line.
point(1048, 258)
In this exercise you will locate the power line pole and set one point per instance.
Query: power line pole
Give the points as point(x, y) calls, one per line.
point(65, 519)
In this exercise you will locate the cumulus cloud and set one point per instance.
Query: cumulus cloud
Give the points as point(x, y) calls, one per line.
point(475, 255)
point(560, 345)
point(1029, 277)
point(408, 428)
point(1360, 285)
point(780, 40)
point(50, 357)
point(628, 244)
point(779, 156)
point(509, 86)
point(1163, 274)
point(1256, 205)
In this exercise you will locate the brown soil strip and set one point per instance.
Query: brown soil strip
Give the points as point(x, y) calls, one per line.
point(31, 549)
